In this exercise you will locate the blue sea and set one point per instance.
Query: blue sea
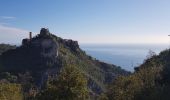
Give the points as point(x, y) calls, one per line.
point(126, 56)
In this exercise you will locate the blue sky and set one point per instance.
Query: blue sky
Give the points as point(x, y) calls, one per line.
point(87, 21)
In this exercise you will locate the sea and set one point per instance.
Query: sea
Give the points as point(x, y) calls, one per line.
point(127, 56)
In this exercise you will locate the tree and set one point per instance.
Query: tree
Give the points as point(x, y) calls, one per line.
point(70, 85)
point(124, 88)
point(143, 84)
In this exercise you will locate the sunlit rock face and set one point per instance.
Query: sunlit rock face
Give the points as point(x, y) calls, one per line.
point(49, 48)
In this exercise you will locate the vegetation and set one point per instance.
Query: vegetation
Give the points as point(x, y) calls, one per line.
point(148, 82)
point(71, 84)
point(10, 91)
point(6, 47)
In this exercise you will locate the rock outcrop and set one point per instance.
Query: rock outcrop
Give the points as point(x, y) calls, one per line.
point(49, 47)
point(40, 51)
point(72, 44)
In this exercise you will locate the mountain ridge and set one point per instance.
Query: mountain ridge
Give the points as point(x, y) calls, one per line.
point(45, 54)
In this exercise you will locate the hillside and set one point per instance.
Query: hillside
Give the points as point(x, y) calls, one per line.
point(150, 81)
point(46, 54)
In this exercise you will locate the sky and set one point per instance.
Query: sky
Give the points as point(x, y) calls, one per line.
point(87, 21)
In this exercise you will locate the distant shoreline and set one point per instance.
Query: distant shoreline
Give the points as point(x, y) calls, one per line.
point(126, 56)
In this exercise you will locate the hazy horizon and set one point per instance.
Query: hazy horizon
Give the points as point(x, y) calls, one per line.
point(127, 56)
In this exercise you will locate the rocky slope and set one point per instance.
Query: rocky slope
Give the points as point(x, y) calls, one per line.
point(45, 54)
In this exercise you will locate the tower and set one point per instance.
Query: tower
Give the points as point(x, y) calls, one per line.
point(30, 35)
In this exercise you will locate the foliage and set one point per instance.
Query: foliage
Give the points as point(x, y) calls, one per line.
point(6, 47)
point(8, 77)
point(143, 84)
point(70, 85)
point(103, 96)
point(10, 91)
point(124, 88)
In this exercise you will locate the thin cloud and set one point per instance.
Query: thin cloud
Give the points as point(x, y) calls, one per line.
point(12, 35)
point(2, 23)
point(12, 30)
point(7, 17)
